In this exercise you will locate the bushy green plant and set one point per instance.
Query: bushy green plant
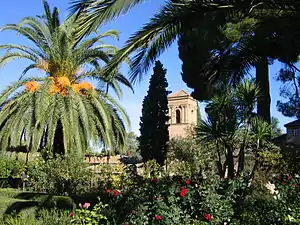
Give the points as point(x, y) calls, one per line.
point(166, 200)
point(10, 166)
point(261, 210)
point(279, 203)
point(94, 216)
point(112, 175)
point(186, 157)
point(43, 217)
point(288, 196)
point(60, 176)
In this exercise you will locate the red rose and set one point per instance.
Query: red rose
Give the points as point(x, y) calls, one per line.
point(126, 224)
point(108, 191)
point(294, 185)
point(183, 191)
point(207, 217)
point(72, 214)
point(154, 180)
point(188, 182)
point(116, 193)
point(289, 177)
point(158, 217)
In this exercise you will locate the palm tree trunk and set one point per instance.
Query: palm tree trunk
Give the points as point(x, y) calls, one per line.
point(256, 164)
point(219, 163)
point(230, 162)
point(27, 156)
point(262, 78)
point(58, 145)
point(241, 163)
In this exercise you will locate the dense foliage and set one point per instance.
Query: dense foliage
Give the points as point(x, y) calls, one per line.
point(225, 41)
point(226, 172)
point(10, 166)
point(60, 176)
point(155, 115)
point(290, 91)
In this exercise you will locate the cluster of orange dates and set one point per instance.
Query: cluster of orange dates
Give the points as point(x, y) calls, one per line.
point(60, 85)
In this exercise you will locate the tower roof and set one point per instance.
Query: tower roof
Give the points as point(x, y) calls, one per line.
point(181, 93)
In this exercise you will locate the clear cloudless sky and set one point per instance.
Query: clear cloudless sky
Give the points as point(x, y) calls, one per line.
point(12, 11)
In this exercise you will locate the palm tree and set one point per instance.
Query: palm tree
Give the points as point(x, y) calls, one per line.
point(178, 16)
point(232, 126)
point(61, 110)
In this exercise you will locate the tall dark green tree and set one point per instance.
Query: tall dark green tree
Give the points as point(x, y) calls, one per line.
point(153, 125)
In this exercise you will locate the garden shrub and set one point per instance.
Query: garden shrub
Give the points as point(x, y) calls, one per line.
point(186, 157)
point(112, 175)
point(42, 217)
point(167, 200)
point(10, 166)
point(92, 217)
point(61, 176)
point(9, 192)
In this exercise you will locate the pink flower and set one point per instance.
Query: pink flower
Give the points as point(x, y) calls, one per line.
point(108, 190)
point(207, 217)
point(126, 224)
point(294, 185)
point(188, 182)
point(158, 217)
point(116, 193)
point(72, 214)
point(289, 177)
point(86, 205)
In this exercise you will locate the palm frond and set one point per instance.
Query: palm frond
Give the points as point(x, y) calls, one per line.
point(94, 13)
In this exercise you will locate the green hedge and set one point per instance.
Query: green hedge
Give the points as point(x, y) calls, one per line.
point(13, 200)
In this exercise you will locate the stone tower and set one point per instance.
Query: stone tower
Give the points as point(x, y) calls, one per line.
point(182, 112)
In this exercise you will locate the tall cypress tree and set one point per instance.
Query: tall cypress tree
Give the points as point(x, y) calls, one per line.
point(153, 125)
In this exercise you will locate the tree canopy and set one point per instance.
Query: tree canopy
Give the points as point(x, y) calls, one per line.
point(61, 109)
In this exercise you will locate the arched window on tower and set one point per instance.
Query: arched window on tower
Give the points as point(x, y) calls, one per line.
point(178, 116)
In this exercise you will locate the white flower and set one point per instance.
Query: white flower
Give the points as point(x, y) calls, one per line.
point(271, 187)
point(291, 219)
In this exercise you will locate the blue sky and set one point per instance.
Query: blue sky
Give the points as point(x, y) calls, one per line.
point(13, 11)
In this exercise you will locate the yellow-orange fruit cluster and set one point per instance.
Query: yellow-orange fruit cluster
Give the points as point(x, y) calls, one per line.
point(60, 85)
point(82, 86)
point(32, 86)
point(63, 81)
